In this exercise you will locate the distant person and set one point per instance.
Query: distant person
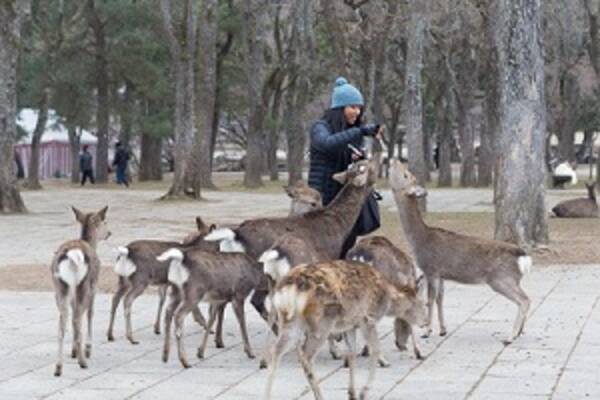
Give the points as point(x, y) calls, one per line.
point(19, 166)
point(85, 166)
point(120, 162)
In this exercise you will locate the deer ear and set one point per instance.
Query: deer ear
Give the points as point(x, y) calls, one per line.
point(80, 216)
point(102, 213)
point(200, 224)
point(340, 177)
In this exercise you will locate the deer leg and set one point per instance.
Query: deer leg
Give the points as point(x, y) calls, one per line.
point(267, 353)
point(115, 303)
point(402, 331)
point(440, 307)
point(90, 317)
point(333, 347)
point(219, 334)
point(370, 334)
point(510, 289)
point(306, 354)
point(281, 346)
point(238, 309)
point(162, 294)
point(414, 340)
point(432, 288)
point(198, 317)
point(182, 311)
point(350, 339)
point(63, 309)
point(175, 300)
point(77, 339)
point(212, 315)
point(130, 297)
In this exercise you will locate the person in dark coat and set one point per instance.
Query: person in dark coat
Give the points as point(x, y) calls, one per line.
point(329, 153)
point(120, 162)
point(86, 166)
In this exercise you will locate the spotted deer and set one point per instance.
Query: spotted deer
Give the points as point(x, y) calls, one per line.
point(398, 268)
point(445, 255)
point(317, 300)
point(75, 268)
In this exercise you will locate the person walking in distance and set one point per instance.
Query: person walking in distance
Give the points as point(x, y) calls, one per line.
point(85, 166)
point(120, 162)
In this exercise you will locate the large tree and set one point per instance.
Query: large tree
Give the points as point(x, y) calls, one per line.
point(520, 190)
point(12, 13)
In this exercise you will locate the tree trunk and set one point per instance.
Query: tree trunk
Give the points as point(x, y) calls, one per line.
point(414, 103)
point(127, 114)
point(485, 161)
point(150, 158)
point(33, 180)
point(337, 37)
point(74, 145)
point(182, 61)
point(467, 139)
point(254, 37)
point(11, 17)
point(207, 90)
point(520, 197)
point(445, 142)
point(102, 81)
point(273, 138)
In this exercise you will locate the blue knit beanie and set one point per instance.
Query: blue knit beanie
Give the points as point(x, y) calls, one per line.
point(344, 94)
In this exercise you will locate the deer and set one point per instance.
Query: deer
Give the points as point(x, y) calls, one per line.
point(445, 255)
point(75, 268)
point(217, 278)
point(315, 301)
point(324, 229)
point(398, 268)
point(304, 198)
point(579, 208)
point(138, 268)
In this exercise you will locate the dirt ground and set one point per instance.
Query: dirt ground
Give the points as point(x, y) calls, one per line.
point(571, 242)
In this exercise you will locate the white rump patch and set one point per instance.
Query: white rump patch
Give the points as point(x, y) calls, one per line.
point(231, 246)
point(226, 239)
point(289, 302)
point(124, 265)
point(525, 264)
point(275, 266)
point(72, 270)
point(178, 273)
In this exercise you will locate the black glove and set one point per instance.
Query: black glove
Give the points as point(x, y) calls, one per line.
point(369, 129)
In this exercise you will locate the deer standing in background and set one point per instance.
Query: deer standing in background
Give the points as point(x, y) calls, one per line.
point(75, 269)
point(444, 255)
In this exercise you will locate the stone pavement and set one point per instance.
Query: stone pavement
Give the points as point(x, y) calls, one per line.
point(557, 358)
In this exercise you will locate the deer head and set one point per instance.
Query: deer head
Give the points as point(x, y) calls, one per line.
point(304, 198)
point(94, 227)
point(402, 181)
point(358, 174)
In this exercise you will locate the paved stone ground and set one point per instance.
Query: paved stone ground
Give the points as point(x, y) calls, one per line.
point(557, 358)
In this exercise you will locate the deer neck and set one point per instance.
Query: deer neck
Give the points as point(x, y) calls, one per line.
point(88, 235)
point(413, 225)
point(348, 203)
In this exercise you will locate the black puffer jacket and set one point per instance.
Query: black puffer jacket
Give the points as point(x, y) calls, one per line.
point(329, 154)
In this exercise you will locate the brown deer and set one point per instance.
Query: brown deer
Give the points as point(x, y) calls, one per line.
point(317, 300)
point(217, 278)
point(75, 269)
point(579, 208)
point(325, 229)
point(138, 268)
point(398, 268)
point(304, 198)
point(444, 255)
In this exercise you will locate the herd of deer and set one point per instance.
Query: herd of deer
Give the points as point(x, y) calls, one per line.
point(291, 267)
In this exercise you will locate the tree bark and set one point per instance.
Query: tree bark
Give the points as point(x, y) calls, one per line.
point(337, 37)
point(254, 38)
point(520, 197)
point(33, 179)
point(414, 103)
point(74, 145)
point(182, 61)
point(445, 142)
point(150, 158)
point(12, 13)
point(102, 81)
point(207, 90)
